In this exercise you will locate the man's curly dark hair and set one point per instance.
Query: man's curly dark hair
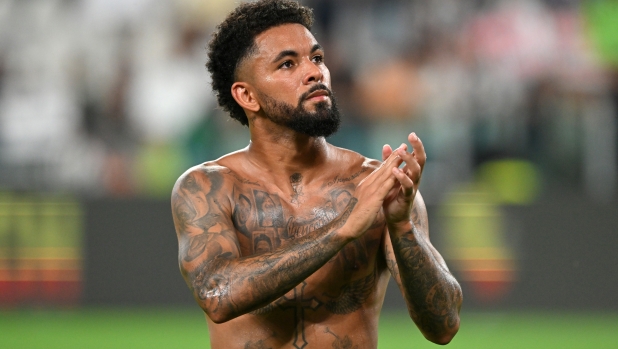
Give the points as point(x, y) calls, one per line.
point(234, 40)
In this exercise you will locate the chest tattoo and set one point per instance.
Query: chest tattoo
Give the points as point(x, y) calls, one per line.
point(296, 182)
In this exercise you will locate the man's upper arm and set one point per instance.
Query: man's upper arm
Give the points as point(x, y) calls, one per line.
point(202, 218)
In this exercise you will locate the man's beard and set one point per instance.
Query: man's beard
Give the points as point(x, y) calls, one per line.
point(322, 122)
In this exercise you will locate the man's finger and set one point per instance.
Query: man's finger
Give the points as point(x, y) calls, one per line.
point(386, 151)
point(384, 170)
point(418, 149)
point(407, 185)
point(412, 168)
point(393, 159)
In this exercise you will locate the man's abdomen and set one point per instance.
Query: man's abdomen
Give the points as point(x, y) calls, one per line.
point(306, 324)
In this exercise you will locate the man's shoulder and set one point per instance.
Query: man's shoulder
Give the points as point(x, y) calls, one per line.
point(217, 172)
point(354, 160)
point(206, 174)
point(209, 168)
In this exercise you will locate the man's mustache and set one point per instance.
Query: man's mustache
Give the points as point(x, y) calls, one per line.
point(314, 88)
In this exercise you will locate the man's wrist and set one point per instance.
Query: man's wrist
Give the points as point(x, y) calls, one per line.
point(399, 228)
point(346, 234)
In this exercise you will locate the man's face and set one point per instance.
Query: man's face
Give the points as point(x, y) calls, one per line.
point(292, 82)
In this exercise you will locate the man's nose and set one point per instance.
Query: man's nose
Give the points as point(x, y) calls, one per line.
point(313, 73)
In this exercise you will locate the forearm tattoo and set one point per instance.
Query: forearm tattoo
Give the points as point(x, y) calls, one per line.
point(235, 285)
point(431, 291)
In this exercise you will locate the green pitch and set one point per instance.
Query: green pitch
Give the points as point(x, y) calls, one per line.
point(186, 328)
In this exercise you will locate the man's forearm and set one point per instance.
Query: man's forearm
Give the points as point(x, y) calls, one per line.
point(227, 288)
point(432, 293)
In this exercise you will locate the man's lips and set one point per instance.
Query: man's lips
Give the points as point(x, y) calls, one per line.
point(318, 95)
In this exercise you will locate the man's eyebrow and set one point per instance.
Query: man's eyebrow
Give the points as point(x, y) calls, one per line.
point(285, 53)
point(293, 53)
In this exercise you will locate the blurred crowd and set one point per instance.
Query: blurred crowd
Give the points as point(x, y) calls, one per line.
point(112, 98)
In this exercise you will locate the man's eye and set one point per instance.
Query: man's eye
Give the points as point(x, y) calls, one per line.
point(286, 64)
point(318, 59)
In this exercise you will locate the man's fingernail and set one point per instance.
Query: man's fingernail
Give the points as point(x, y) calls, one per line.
point(414, 136)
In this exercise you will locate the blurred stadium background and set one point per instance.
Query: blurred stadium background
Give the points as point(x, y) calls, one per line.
point(104, 103)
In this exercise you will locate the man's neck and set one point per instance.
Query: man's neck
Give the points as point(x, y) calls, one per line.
point(282, 152)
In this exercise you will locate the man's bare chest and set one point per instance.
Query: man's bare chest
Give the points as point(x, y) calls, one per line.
point(266, 217)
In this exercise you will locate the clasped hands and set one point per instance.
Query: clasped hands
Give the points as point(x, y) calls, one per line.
point(389, 187)
point(399, 200)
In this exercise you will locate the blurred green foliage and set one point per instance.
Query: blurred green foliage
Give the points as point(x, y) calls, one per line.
point(602, 26)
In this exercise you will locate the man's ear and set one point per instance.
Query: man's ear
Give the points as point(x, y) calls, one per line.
point(245, 97)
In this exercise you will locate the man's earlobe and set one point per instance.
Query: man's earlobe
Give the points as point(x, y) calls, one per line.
point(243, 95)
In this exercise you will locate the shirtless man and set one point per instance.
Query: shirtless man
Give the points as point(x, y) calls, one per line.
point(290, 242)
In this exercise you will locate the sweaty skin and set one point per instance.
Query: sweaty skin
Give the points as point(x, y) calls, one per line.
point(290, 242)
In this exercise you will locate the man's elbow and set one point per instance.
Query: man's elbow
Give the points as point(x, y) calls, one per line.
point(445, 334)
point(438, 329)
point(211, 304)
point(218, 318)
point(444, 338)
point(214, 298)
point(217, 315)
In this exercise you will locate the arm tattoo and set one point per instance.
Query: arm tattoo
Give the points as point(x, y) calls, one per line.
point(391, 263)
point(418, 220)
point(431, 291)
point(204, 236)
point(236, 286)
